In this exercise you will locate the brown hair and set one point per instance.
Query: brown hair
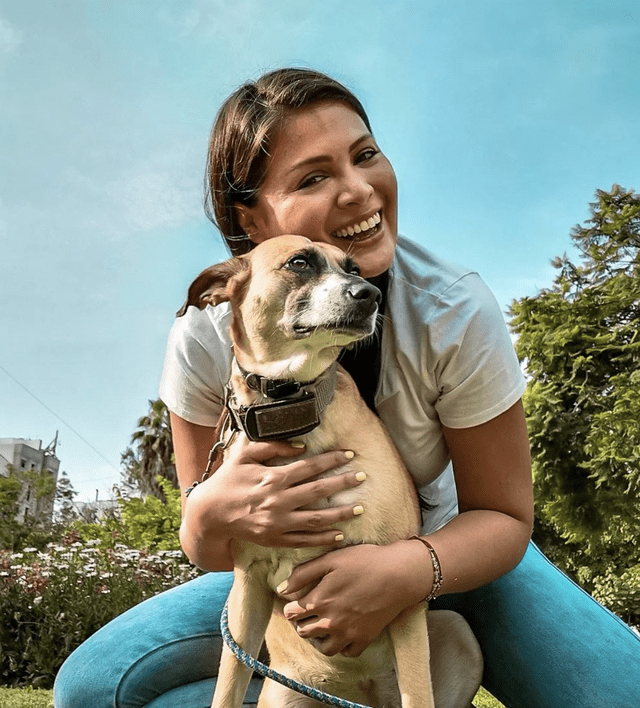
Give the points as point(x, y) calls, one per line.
point(241, 136)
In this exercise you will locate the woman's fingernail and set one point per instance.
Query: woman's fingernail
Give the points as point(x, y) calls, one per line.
point(357, 510)
point(283, 586)
point(339, 537)
point(361, 476)
point(349, 454)
point(298, 444)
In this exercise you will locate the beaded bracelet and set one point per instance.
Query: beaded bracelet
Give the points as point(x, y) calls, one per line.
point(438, 580)
point(188, 490)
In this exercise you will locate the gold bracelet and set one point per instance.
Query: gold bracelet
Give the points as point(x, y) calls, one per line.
point(438, 580)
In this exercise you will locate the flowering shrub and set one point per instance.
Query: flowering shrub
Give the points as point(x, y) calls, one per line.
point(53, 600)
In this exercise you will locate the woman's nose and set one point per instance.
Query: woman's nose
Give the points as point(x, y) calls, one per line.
point(354, 189)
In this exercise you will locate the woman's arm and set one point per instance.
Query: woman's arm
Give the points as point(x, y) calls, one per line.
point(249, 499)
point(359, 590)
point(192, 444)
point(492, 468)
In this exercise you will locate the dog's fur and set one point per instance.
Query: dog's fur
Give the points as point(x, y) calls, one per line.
point(294, 305)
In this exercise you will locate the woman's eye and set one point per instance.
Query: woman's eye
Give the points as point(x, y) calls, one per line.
point(367, 154)
point(310, 181)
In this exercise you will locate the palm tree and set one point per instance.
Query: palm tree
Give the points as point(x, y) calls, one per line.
point(151, 453)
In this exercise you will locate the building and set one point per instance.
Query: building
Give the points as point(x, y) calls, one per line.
point(40, 463)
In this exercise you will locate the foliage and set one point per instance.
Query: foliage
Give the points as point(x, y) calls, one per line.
point(65, 511)
point(153, 524)
point(142, 523)
point(9, 490)
point(33, 530)
point(52, 601)
point(151, 453)
point(580, 342)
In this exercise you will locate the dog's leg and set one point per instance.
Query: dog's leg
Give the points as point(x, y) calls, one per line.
point(408, 634)
point(456, 665)
point(250, 605)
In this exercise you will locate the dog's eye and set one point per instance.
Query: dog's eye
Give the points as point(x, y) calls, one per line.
point(298, 263)
point(354, 270)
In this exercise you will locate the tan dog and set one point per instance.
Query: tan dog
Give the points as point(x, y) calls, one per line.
point(294, 305)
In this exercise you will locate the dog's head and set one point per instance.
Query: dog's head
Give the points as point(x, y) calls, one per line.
point(291, 299)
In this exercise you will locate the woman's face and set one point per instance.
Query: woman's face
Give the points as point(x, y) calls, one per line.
point(326, 179)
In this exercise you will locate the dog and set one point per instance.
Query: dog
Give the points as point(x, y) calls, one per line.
point(294, 305)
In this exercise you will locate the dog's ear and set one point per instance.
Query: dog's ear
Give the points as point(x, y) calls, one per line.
point(215, 284)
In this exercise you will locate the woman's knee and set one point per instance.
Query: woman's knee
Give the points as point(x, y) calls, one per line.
point(170, 640)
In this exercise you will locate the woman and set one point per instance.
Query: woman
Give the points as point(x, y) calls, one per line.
point(294, 153)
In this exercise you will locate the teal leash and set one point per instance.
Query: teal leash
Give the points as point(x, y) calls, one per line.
point(265, 671)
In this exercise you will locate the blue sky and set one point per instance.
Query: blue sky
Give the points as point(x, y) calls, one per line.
point(500, 118)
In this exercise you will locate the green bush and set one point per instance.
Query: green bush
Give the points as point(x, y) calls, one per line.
point(52, 601)
point(141, 523)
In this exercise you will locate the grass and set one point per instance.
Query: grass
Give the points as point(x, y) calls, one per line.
point(486, 700)
point(30, 698)
point(25, 698)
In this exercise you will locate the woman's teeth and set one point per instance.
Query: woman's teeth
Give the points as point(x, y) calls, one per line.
point(359, 228)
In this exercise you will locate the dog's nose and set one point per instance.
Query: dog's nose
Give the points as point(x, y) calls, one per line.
point(365, 292)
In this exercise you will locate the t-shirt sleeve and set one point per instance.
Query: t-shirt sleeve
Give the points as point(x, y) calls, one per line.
point(478, 373)
point(196, 366)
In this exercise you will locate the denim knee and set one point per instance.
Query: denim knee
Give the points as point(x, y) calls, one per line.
point(166, 642)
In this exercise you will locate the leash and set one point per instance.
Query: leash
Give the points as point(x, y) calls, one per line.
point(265, 671)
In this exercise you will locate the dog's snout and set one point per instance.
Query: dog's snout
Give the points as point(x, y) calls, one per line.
point(365, 292)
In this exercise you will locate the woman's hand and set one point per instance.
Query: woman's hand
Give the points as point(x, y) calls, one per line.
point(356, 592)
point(268, 505)
point(250, 500)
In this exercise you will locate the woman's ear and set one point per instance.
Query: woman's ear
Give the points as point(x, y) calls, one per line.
point(250, 222)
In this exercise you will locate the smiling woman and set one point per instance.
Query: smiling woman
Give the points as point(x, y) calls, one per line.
point(327, 179)
point(293, 152)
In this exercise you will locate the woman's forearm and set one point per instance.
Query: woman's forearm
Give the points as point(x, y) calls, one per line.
point(492, 468)
point(478, 547)
point(205, 542)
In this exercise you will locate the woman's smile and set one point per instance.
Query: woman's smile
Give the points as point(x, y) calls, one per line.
point(327, 179)
point(366, 228)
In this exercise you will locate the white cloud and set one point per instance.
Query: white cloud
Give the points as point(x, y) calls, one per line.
point(157, 199)
point(10, 38)
point(162, 190)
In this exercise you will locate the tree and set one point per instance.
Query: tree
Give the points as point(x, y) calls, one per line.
point(34, 529)
point(10, 487)
point(65, 511)
point(151, 454)
point(580, 343)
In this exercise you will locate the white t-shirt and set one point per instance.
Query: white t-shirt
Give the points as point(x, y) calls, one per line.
point(447, 358)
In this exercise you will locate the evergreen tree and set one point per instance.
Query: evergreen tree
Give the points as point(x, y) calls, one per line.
point(65, 511)
point(580, 343)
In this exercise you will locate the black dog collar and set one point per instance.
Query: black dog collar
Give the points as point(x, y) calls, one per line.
point(295, 408)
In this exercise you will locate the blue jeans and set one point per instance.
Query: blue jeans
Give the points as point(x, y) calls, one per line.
point(546, 644)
